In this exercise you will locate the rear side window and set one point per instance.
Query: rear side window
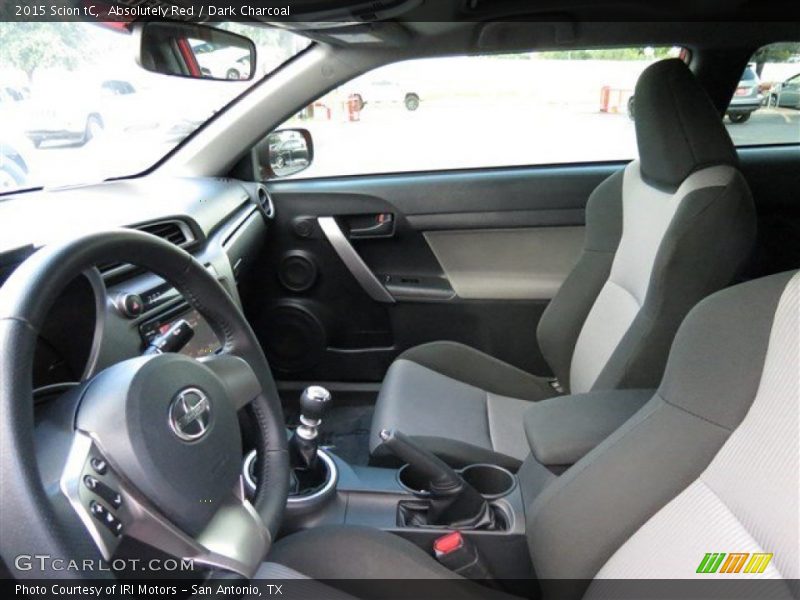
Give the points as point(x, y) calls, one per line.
point(749, 75)
point(480, 111)
point(765, 108)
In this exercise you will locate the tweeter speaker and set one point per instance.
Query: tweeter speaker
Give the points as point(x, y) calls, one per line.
point(297, 271)
point(294, 337)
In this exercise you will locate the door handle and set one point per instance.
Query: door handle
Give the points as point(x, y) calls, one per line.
point(381, 225)
point(354, 263)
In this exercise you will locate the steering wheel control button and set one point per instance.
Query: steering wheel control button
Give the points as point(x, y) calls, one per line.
point(130, 305)
point(106, 517)
point(98, 510)
point(190, 414)
point(99, 466)
point(103, 490)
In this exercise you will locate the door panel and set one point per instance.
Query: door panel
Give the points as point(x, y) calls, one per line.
point(317, 322)
point(507, 264)
point(546, 195)
point(470, 256)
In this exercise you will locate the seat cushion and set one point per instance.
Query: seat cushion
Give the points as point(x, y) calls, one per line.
point(479, 369)
point(294, 585)
point(452, 399)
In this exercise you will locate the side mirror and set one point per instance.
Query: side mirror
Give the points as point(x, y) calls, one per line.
point(195, 51)
point(285, 152)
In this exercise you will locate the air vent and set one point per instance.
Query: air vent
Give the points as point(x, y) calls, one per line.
point(175, 232)
point(265, 201)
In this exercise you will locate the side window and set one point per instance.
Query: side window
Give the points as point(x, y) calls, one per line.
point(479, 111)
point(765, 108)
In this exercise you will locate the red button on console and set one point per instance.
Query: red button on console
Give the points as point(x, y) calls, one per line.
point(448, 543)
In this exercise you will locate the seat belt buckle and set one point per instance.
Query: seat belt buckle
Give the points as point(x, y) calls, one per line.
point(460, 555)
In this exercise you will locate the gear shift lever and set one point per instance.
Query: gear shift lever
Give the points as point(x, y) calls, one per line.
point(314, 403)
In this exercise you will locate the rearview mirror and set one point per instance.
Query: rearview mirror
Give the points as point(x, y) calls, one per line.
point(285, 152)
point(196, 51)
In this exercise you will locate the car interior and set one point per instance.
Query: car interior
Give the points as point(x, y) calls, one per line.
point(550, 379)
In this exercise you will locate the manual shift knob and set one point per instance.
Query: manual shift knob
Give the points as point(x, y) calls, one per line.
point(314, 403)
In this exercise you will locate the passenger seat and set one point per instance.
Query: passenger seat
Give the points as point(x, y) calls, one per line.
point(661, 234)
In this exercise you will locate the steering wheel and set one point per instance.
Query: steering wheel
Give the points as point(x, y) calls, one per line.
point(148, 448)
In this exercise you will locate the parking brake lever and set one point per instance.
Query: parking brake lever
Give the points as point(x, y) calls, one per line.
point(453, 502)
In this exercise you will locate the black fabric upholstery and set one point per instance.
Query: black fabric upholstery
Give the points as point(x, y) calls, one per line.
point(333, 552)
point(563, 318)
point(562, 430)
point(678, 129)
point(717, 356)
point(712, 375)
point(479, 369)
point(348, 557)
point(295, 585)
point(430, 406)
point(707, 243)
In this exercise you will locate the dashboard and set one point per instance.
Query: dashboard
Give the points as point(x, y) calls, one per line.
point(113, 312)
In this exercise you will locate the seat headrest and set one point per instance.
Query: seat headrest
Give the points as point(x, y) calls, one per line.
point(678, 129)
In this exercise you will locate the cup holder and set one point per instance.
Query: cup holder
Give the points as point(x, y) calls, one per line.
point(412, 480)
point(491, 481)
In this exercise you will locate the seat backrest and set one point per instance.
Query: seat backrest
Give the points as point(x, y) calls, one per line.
point(714, 456)
point(671, 228)
point(745, 506)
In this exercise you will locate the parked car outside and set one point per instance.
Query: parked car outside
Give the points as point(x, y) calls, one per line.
point(222, 63)
point(14, 168)
point(786, 94)
point(384, 91)
point(82, 113)
point(13, 101)
point(290, 153)
point(746, 99)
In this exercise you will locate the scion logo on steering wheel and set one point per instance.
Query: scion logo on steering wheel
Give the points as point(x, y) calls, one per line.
point(190, 414)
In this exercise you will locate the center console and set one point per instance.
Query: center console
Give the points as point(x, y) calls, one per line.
point(425, 499)
point(421, 501)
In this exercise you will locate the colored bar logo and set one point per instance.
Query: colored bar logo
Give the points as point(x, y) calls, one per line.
point(734, 562)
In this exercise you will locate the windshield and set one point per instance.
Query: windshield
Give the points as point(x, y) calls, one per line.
point(75, 107)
